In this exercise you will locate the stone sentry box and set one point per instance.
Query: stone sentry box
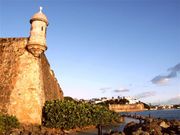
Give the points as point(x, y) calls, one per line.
point(26, 79)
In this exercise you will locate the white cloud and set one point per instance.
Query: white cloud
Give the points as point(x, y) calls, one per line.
point(160, 80)
point(104, 89)
point(145, 95)
point(165, 79)
point(176, 68)
point(121, 90)
point(174, 100)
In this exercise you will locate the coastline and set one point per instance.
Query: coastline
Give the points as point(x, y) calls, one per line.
point(169, 114)
point(155, 122)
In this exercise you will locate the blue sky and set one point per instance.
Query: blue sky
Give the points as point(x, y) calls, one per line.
point(107, 48)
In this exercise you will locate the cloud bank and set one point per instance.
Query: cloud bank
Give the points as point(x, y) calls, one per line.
point(145, 95)
point(160, 79)
point(121, 90)
point(103, 90)
point(174, 100)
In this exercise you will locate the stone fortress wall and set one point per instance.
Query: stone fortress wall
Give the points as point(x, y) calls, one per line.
point(26, 82)
point(126, 108)
point(52, 88)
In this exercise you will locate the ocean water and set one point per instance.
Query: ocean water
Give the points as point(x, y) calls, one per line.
point(164, 114)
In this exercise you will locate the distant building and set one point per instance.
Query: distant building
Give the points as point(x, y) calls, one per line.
point(132, 100)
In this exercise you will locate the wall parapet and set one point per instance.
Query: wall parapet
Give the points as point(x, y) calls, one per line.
point(13, 39)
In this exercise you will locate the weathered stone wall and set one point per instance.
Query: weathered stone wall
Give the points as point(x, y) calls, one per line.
point(51, 86)
point(10, 51)
point(126, 108)
point(26, 82)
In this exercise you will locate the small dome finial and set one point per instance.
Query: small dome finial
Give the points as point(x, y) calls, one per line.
point(40, 9)
point(39, 16)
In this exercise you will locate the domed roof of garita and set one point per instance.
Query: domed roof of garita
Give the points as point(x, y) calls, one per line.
point(39, 16)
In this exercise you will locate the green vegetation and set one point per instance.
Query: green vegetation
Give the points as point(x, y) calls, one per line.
point(121, 101)
point(69, 114)
point(8, 122)
point(146, 105)
point(67, 98)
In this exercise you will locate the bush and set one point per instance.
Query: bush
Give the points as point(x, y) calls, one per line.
point(122, 101)
point(8, 122)
point(69, 114)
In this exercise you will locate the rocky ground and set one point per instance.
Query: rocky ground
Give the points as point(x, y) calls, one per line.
point(41, 130)
point(34, 130)
point(151, 127)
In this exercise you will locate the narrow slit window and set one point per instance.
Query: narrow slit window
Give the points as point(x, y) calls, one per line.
point(41, 28)
point(45, 31)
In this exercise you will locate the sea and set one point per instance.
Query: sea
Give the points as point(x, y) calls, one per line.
point(164, 114)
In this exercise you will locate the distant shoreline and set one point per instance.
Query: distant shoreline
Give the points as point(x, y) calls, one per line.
point(169, 114)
